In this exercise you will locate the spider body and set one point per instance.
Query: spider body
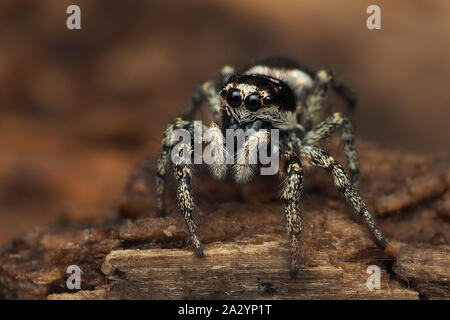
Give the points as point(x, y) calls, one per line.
point(273, 94)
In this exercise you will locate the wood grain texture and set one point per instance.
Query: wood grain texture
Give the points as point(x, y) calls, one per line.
point(141, 256)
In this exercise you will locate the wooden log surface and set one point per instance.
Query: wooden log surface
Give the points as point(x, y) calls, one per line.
point(140, 256)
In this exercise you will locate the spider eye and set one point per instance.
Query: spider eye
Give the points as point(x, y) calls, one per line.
point(267, 101)
point(234, 98)
point(253, 102)
point(223, 92)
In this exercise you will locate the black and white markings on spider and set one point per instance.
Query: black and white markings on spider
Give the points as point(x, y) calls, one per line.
point(272, 94)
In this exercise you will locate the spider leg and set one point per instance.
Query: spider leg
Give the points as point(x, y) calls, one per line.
point(246, 158)
point(204, 92)
point(346, 92)
point(183, 172)
point(291, 195)
point(183, 176)
point(321, 159)
point(164, 159)
point(225, 74)
point(316, 101)
point(215, 149)
point(326, 128)
point(161, 164)
point(207, 91)
point(216, 152)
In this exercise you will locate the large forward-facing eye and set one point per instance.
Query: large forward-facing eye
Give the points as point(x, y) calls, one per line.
point(234, 98)
point(253, 102)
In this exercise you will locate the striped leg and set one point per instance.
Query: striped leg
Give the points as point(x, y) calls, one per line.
point(316, 102)
point(326, 128)
point(207, 91)
point(291, 196)
point(346, 92)
point(183, 176)
point(215, 150)
point(164, 159)
point(183, 172)
point(324, 160)
point(204, 92)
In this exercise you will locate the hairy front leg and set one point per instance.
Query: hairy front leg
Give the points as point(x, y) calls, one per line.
point(247, 155)
point(321, 159)
point(326, 128)
point(215, 150)
point(291, 195)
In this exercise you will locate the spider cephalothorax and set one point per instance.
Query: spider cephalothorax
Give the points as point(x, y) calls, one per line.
point(275, 94)
point(250, 99)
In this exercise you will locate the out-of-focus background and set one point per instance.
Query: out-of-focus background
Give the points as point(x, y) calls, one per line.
point(79, 108)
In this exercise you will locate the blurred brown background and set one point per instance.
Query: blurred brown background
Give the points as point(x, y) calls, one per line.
point(79, 108)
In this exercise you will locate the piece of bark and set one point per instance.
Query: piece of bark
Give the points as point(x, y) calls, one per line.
point(238, 270)
point(426, 268)
point(145, 257)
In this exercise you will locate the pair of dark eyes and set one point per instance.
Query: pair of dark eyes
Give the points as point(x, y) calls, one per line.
point(252, 102)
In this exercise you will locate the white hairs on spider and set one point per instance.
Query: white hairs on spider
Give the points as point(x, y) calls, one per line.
point(247, 156)
point(215, 154)
point(281, 120)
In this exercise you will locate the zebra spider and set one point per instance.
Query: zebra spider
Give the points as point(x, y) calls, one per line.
point(273, 94)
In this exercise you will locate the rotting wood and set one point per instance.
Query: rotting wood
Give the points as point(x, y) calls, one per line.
point(145, 257)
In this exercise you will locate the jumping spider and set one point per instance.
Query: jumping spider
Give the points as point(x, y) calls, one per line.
point(274, 93)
